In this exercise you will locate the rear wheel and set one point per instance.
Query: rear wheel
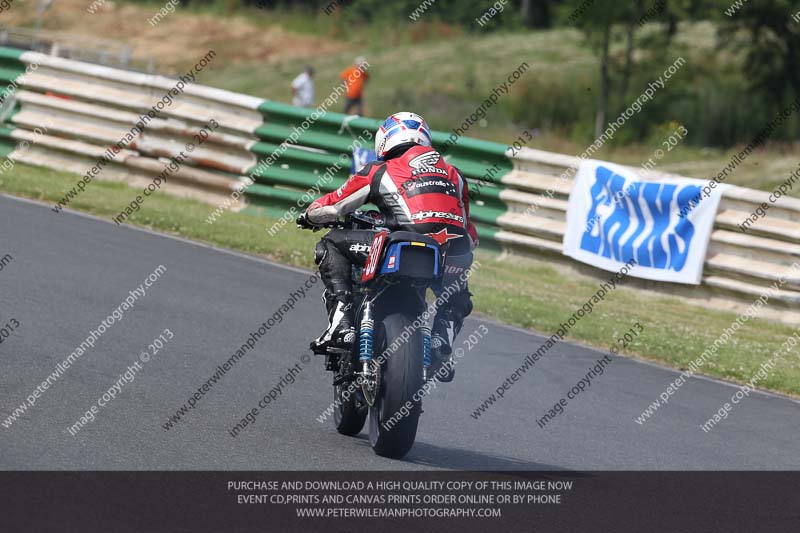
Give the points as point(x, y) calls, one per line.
point(395, 414)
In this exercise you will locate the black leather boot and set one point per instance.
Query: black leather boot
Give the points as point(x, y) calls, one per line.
point(341, 332)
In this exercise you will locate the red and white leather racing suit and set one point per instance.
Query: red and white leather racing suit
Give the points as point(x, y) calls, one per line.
point(416, 191)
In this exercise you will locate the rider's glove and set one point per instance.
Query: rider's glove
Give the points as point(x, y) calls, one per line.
point(303, 222)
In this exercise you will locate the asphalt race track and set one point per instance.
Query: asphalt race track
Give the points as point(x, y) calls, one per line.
point(70, 271)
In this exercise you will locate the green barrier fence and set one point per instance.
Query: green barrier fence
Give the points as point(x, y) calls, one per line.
point(7, 144)
point(11, 67)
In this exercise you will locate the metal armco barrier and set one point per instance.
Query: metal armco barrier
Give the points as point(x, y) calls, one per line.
point(87, 108)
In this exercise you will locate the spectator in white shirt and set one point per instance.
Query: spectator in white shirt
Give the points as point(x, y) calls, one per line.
point(303, 88)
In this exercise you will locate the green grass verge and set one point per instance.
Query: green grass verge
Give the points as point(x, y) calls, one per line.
point(527, 293)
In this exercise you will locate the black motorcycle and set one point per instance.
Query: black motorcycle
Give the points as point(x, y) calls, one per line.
point(383, 375)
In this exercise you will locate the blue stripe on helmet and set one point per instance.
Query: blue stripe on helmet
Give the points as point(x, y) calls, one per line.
point(389, 123)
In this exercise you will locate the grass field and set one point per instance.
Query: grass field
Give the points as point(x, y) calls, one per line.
point(528, 293)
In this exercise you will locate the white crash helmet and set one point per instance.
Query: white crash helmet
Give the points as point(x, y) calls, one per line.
point(401, 128)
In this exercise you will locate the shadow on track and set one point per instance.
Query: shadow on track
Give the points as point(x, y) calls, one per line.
point(457, 459)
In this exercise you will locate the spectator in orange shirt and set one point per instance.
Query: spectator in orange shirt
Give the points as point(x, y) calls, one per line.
point(354, 78)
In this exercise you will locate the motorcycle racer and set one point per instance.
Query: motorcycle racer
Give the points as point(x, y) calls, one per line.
point(415, 190)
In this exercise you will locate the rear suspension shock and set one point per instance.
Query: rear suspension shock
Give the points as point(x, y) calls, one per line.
point(365, 335)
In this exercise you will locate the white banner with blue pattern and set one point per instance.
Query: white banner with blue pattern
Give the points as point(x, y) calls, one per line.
point(614, 215)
